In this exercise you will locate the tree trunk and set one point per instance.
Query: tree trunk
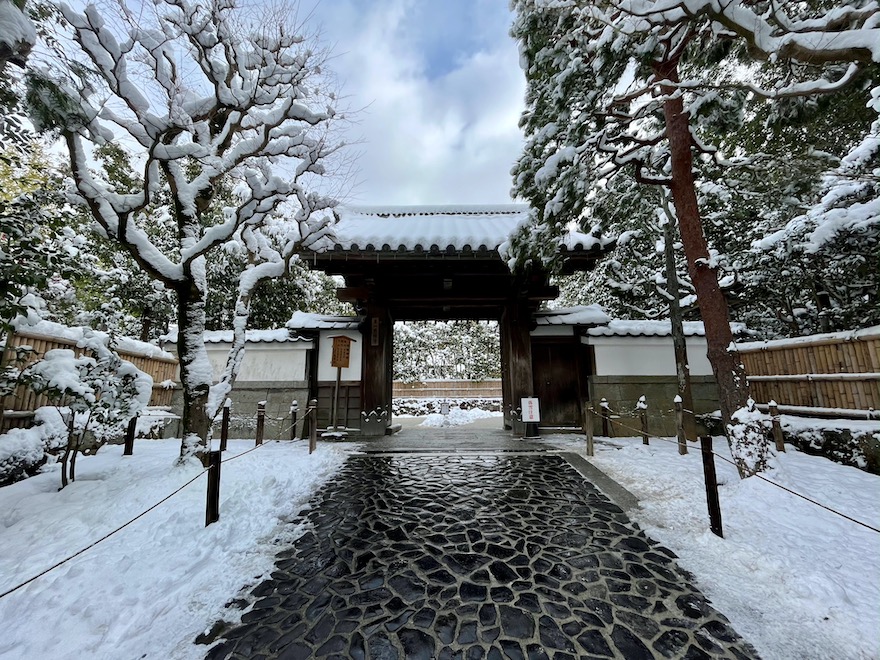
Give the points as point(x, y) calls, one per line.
point(679, 344)
point(73, 456)
point(749, 448)
point(732, 388)
point(195, 372)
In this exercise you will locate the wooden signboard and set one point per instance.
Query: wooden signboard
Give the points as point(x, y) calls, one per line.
point(341, 352)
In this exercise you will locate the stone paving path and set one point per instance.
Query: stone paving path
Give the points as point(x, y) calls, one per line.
point(474, 556)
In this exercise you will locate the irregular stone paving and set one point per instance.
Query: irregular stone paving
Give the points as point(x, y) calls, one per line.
point(451, 556)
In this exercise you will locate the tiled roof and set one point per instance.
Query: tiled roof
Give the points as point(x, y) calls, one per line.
point(435, 228)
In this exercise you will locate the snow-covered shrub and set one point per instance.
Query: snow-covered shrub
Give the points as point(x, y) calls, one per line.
point(837, 441)
point(24, 451)
point(101, 390)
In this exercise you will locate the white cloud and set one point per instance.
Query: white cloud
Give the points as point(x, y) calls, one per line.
point(433, 131)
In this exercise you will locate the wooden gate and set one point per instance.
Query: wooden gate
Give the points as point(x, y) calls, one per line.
point(556, 369)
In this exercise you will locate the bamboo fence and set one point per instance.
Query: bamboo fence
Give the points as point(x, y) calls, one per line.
point(19, 406)
point(831, 371)
point(448, 389)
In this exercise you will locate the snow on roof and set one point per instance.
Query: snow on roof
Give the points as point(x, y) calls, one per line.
point(623, 328)
point(252, 336)
point(581, 315)
point(456, 227)
point(50, 330)
point(280, 335)
point(848, 335)
point(306, 321)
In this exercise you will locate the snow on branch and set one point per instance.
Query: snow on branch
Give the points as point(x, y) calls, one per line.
point(842, 34)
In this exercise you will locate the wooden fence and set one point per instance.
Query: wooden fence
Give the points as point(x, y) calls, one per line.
point(19, 406)
point(836, 371)
point(449, 389)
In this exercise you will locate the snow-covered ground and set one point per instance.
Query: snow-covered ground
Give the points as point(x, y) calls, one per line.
point(458, 417)
point(797, 581)
point(147, 591)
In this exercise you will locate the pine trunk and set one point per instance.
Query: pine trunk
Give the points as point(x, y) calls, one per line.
point(195, 372)
point(749, 448)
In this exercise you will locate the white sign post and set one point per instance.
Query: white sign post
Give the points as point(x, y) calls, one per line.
point(531, 415)
point(531, 411)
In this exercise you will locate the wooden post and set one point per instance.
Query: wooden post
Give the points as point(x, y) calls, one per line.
point(129, 436)
point(224, 424)
point(604, 411)
point(679, 426)
point(777, 427)
point(294, 411)
point(212, 511)
point(588, 429)
point(643, 418)
point(711, 486)
point(335, 416)
point(261, 421)
point(313, 426)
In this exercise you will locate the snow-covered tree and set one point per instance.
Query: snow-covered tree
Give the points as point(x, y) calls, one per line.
point(632, 86)
point(209, 93)
point(442, 350)
point(18, 34)
point(35, 243)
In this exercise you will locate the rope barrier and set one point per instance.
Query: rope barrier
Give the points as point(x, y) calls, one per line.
point(769, 481)
point(102, 539)
point(135, 519)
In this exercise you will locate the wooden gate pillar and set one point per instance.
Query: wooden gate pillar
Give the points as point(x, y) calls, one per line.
point(377, 370)
point(516, 322)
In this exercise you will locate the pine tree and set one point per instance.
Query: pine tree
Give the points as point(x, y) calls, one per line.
point(631, 87)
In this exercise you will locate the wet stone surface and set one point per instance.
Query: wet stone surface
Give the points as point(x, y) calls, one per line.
point(489, 556)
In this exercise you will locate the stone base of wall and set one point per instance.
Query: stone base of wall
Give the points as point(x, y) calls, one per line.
point(623, 392)
point(243, 418)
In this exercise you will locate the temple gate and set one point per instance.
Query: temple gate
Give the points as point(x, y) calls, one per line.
point(442, 263)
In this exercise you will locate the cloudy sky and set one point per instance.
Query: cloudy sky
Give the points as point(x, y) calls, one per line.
point(440, 92)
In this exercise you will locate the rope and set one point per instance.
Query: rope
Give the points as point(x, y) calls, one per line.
point(769, 481)
point(123, 526)
point(102, 539)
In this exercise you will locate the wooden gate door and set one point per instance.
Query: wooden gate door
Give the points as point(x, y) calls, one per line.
point(555, 368)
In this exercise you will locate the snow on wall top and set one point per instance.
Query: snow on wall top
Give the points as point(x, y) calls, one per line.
point(455, 227)
point(49, 330)
point(581, 315)
point(306, 321)
point(622, 328)
point(849, 335)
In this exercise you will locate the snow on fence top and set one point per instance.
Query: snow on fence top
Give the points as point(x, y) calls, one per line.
point(306, 321)
point(435, 228)
point(828, 337)
point(47, 330)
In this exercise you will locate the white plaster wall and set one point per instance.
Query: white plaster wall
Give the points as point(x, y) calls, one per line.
point(325, 352)
point(646, 356)
point(264, 361)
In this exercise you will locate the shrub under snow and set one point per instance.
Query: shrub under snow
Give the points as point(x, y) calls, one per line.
point(24, 451)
